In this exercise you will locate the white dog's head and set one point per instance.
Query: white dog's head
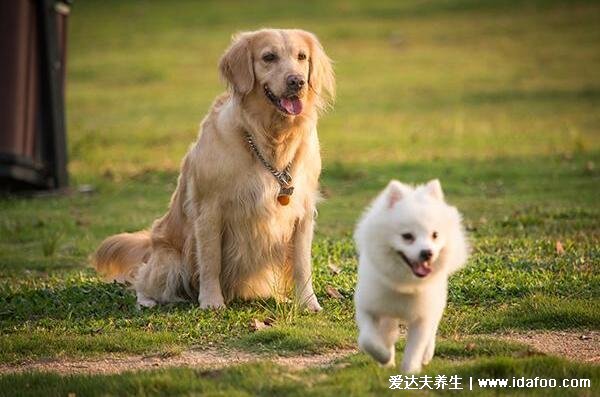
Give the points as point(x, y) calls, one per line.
point(417, 233)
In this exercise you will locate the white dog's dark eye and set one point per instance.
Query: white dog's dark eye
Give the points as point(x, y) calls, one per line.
point(434, 235)
point(301, 56)
point(408, 237)
point(269, 57)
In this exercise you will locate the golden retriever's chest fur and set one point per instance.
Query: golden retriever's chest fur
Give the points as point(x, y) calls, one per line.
point(257, 233)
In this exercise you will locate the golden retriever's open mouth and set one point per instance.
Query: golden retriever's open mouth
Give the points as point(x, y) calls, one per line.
point(291, 105)
point(419, 268)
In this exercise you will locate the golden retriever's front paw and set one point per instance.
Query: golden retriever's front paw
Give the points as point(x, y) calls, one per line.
point(312, 304)
point(211, 302)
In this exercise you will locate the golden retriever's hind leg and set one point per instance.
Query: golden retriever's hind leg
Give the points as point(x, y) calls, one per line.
point(144, 301)
point(160, 280)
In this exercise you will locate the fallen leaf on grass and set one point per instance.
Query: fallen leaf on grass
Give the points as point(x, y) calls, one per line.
point(334, 269)
point(86, 189)
point(589, 166)
point(340, 365)
point(256, 325)
point(211, 373)
point(529, 353)
point(292, 377)
point(108, 174)
point(333, 292)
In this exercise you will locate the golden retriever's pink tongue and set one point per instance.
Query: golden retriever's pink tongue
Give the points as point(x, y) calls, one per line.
point(292, 106)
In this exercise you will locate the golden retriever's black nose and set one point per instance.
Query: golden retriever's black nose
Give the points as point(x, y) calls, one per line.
point(426, 255)
point(295, 82)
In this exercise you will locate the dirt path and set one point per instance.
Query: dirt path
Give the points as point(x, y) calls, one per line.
point(576, 346)
point(206, 359)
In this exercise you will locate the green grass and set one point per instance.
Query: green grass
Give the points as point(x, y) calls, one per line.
point(497, 99)
point(354, 376)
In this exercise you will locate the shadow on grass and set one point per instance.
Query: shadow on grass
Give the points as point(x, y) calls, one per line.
point(87, 300)
point(314, 335)
point(533, 312)
point(549, 312)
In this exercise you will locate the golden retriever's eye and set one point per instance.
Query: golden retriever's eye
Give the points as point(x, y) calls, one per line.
point(301, 56)
point(269, 57)
point(408, 237)
point(434, 235)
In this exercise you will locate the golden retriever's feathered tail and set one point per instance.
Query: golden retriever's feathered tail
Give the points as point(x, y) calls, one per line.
point(119, 257)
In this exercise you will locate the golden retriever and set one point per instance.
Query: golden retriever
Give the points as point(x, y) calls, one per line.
point(233, 230)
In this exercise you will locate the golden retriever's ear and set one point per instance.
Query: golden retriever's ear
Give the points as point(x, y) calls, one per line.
point(236, 65)
point(320, 76)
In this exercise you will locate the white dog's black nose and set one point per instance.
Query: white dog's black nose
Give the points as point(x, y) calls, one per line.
point(295, 82)
point(426, 255)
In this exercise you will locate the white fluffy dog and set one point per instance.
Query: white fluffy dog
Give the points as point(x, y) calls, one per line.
point(409, 242)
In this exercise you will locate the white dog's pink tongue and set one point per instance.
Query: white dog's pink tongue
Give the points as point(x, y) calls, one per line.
point(421, 269)
point(292, 106)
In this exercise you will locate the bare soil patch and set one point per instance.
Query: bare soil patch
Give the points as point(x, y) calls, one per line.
point(205, 359)
point(575, 346)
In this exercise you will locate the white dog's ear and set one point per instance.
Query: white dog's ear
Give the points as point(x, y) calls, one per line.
point(434, 189)
point(236, 65)
point(395, 191)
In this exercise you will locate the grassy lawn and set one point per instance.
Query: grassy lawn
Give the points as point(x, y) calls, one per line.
point(498, 99)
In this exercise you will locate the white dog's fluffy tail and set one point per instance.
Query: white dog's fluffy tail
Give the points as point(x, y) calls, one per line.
point(119, 257)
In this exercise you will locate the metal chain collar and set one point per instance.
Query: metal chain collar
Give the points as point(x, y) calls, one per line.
point(284, 178)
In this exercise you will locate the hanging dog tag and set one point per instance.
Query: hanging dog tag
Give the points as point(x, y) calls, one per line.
point(285, 193)
point(284, 178)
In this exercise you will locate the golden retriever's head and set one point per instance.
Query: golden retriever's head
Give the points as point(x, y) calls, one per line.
point(286, 68)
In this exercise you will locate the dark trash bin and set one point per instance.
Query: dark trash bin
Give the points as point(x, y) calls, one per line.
point(33, 37)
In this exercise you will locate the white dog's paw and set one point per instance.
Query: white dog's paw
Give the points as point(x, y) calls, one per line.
point(212, 302)
point(144, 301)
point(389, 364)
point(392, 361)
point(376, 350)
point(427, 357)
point(429, 353)
point(312, 304)
point(411, 368)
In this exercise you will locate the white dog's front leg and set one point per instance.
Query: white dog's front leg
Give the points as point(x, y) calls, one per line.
point(207, 231)
point(417, 338)
point(389, 331)
point(371, 340)
point(302, 267)
point(430, 349)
